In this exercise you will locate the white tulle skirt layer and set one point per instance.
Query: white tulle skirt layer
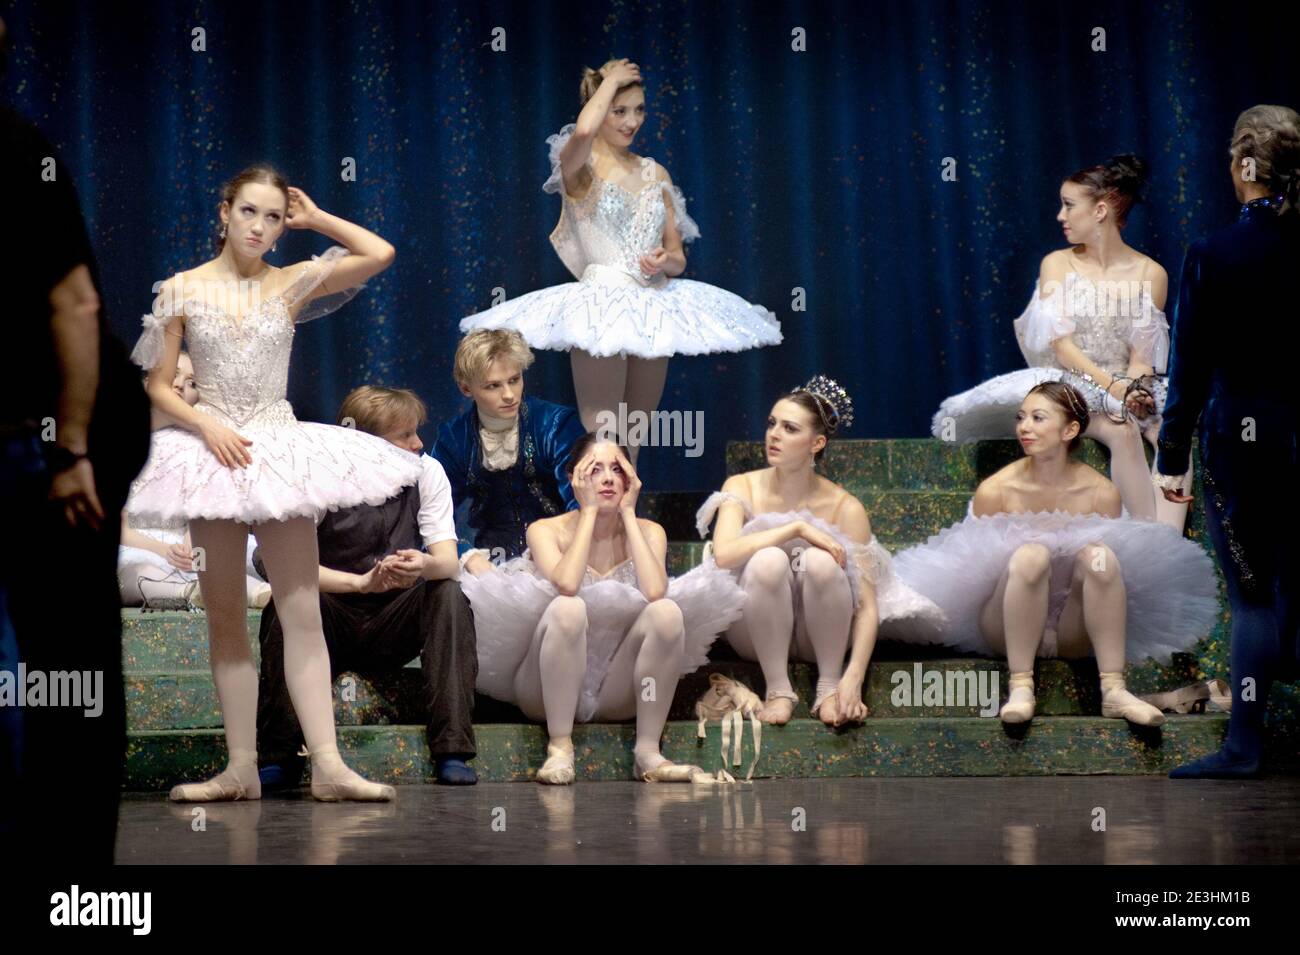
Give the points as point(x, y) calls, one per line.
point(509, 602)
point(902, 613)
point(609, 314)
point(1172, 595)
point(299, 469)
point(988, 411)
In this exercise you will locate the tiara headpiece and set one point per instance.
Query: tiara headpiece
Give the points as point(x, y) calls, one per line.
point(833, 397)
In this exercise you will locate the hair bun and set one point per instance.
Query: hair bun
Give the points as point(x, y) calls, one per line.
point(1128, 174)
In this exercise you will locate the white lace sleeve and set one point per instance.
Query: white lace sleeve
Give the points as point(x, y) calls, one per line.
point(1169, 482)
point(316, 272)
point(1149, 337)
point(709, 509)
point(555, 182)
point(148, 349)
point(1044, 321)
point(685, 224)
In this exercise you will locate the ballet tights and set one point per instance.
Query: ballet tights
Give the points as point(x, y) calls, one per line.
point(602, 384)
point(1095, 613)
point(642, 678)
point(290, 554)
point(1167, 512)
point(549, 681)
point(1128, 464)
point(768, 627)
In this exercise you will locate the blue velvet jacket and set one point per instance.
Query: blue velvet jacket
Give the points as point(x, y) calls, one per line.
point(503, 503)
point(1229, 357)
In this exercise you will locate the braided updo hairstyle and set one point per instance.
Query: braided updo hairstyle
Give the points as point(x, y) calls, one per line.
point(1270, 135)
point(1119, 182)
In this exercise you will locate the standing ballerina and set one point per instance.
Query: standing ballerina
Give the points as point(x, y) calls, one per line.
point(1096, 312)
point(621, 229)
point(588, 625)
point(816, 582)
point(240, 458)
point(1044, 565)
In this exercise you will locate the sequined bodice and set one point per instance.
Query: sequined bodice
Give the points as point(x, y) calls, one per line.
point(241, 367)
point(1104, 321)
point(624, 573)
point(615, 226)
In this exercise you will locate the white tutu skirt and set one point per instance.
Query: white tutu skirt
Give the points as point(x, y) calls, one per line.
point(509, 601)
point(988, 411)
point(299, 469)
point(1171, 588)
point(610, 313)
point(902, 613)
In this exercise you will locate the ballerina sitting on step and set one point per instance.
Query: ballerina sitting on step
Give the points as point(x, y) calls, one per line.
point(1045, 564)
point(816, 582)
point(588, 625)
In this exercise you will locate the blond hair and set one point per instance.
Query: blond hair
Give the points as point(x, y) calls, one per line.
point(483, 346)
point(1270, 135)
point(377, 410)
point(591, 80)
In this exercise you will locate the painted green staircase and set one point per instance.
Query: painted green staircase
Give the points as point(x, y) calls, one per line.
point(911, 488)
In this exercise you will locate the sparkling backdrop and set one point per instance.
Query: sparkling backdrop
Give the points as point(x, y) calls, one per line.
point(817, 170)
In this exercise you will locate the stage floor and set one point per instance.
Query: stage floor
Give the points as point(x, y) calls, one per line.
point(890, 820)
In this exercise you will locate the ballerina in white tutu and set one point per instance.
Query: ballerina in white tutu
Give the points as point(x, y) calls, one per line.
point(240, 458)
point(587, 625)
point(155, 565)
point(817, 583)
point(621, 229)
point(1045, 565)
point(1095, 320)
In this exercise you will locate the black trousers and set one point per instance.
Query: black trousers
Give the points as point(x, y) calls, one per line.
point(371, 634)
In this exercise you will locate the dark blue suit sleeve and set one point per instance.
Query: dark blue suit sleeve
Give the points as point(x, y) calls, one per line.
point(568, 429)
point(1189, 367)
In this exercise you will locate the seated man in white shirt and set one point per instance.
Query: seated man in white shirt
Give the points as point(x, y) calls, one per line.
point(388, 592)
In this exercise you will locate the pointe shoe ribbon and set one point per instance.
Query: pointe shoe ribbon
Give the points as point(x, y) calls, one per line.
point(1118, 703)
point(730, 702)
point(1196, 698)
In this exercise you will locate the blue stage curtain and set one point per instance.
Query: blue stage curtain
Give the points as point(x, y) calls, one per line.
point(816, 170)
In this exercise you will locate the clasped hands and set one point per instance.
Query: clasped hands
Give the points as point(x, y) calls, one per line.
point(397, 571)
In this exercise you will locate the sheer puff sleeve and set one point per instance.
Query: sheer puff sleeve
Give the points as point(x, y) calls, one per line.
point(167, 305)
point(555, 182)
point(1043, 322)
point(1149, 337)
point(311, 275)
point(685, 224)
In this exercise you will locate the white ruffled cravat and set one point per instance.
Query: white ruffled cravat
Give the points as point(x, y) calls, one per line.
point(500, 440)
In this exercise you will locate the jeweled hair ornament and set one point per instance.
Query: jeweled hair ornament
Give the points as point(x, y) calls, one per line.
point(832, 396)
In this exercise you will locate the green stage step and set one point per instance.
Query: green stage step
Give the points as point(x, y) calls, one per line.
point(925, 746)
point(187, 699)
point(912, 489)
